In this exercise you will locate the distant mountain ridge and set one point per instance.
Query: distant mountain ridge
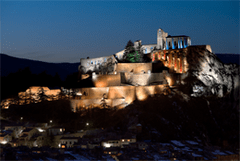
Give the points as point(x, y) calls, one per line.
point(11, 64)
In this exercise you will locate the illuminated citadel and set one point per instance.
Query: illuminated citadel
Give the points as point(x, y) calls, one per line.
point(119, 84)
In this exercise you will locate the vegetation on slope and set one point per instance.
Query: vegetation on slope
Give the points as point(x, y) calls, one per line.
point(212, 120)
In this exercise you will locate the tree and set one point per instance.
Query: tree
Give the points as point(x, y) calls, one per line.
point(103, 101)
point(57, 80)
point(132, 55)
point(49, 140)
point(42, 95)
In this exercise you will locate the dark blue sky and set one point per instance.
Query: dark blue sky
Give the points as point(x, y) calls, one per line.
point(60, 31)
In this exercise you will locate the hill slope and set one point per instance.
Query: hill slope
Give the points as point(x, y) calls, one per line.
point(11, 64)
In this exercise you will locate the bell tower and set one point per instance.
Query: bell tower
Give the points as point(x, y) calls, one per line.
point(161, 39)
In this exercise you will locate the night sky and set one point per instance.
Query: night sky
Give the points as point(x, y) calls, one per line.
point(60, 31)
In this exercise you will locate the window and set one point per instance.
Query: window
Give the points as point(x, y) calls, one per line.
point(105, 59)
point(169, 44)
point(151, 48)
point(146, 51)
point(91, 62)
point(95, 62)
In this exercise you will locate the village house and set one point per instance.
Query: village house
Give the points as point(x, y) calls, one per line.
point(16, 128)
point(55, 130)
point(142, 145)
point(5, 136)
point(68, 142)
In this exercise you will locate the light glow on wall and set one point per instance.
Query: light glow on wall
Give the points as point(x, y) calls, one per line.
point(141, 95)
point(173, 47)
point(4, 142)
point(107, 145)
point(40, 130)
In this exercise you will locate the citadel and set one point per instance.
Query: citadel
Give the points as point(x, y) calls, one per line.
point(111, 81)
point(119, 83)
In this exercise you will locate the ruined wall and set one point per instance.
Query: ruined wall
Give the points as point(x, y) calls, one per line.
point(102, 64)
point(134, 67)
point(120, 54)
point(148, 48)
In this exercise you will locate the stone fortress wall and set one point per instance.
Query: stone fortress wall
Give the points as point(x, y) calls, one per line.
point(119, 96)
point(135, 68)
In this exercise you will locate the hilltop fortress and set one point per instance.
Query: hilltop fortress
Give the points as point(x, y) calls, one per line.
point(119, 84)
point(112, 82)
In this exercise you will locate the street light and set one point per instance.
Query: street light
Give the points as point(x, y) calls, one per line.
point(87, 123)
point(50, 121)
point(21, 118)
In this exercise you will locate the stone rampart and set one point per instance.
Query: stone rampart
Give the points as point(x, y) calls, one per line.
point(106, 80)
point(91, 103)
point(117, 95)
point(143, 79)
point(126, 92)
point(134, 67)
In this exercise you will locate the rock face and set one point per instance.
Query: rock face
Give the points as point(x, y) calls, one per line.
point(217, 78)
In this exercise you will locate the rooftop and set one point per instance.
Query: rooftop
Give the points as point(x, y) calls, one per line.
point(169, 36)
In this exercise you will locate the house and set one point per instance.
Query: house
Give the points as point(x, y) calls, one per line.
point(127, 139)
point(27, 133)
point(68, 142)
point(113, 151)
point(92, 145)
point(83, 143)
point(142, 145)
point(17, 129)
point(227, 155)
point(111, 142)
point(5, 136)
point(197, 156)
point(55, 130)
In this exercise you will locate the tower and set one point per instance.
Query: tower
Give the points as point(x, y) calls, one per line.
point(161, 39)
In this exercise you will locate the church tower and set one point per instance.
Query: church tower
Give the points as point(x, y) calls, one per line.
point(161, 39)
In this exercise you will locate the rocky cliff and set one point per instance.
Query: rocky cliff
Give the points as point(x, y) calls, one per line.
point(214, 76)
